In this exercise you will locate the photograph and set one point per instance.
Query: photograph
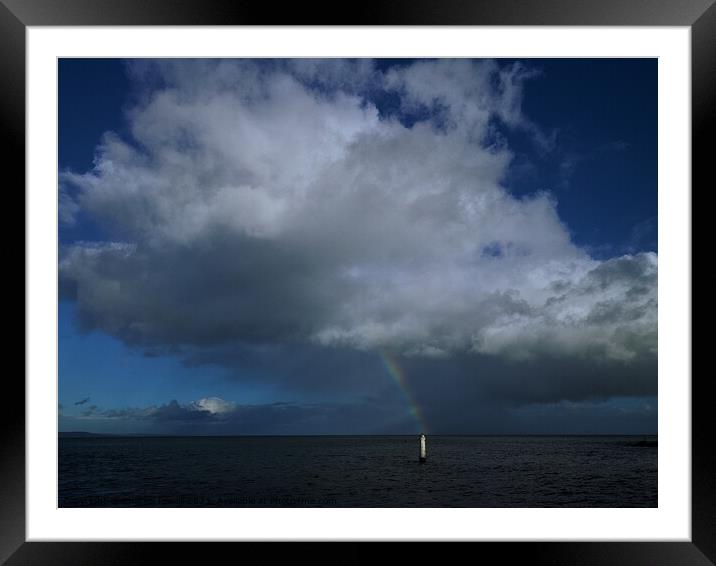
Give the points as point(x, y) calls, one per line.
point(357, 283)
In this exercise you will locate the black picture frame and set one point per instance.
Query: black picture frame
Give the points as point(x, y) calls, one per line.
point(16, 15)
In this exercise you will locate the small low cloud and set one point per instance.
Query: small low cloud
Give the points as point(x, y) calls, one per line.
point(214, 405)
point(91, 411)
point(206, 409)
point(368, 416)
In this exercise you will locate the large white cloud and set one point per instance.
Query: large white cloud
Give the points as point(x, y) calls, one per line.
point(273, 202)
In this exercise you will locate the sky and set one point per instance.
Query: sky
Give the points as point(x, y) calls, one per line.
point(333, 246)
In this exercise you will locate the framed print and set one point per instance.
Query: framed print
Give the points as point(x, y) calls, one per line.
point(292, 277)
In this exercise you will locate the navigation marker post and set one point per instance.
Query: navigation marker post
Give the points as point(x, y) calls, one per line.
point(423, 450)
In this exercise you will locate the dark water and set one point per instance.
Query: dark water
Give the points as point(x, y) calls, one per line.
point(358, 471)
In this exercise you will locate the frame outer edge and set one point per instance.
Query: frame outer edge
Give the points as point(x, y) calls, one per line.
point(12, 427)
point(385, 12)
point(701, 14)
point(703, 124)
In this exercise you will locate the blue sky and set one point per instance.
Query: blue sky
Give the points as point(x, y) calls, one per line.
point(253, 241)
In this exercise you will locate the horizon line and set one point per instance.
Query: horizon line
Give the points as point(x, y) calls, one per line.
point(169, 435)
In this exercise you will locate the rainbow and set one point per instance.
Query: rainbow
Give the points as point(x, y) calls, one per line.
point(396, 372)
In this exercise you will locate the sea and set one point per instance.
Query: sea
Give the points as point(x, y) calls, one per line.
point(358, 471)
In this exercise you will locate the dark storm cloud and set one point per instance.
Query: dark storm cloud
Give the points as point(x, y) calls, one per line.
point(227, 286)
point(520, 382)
point(268, 218)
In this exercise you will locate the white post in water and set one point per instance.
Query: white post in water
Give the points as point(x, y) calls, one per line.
point(423, 450)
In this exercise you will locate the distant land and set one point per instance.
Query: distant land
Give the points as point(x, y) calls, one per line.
point(81, 434)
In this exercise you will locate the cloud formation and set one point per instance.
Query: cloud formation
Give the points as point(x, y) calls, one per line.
point(273, 203)
point(368, 416)
point(377, 414)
